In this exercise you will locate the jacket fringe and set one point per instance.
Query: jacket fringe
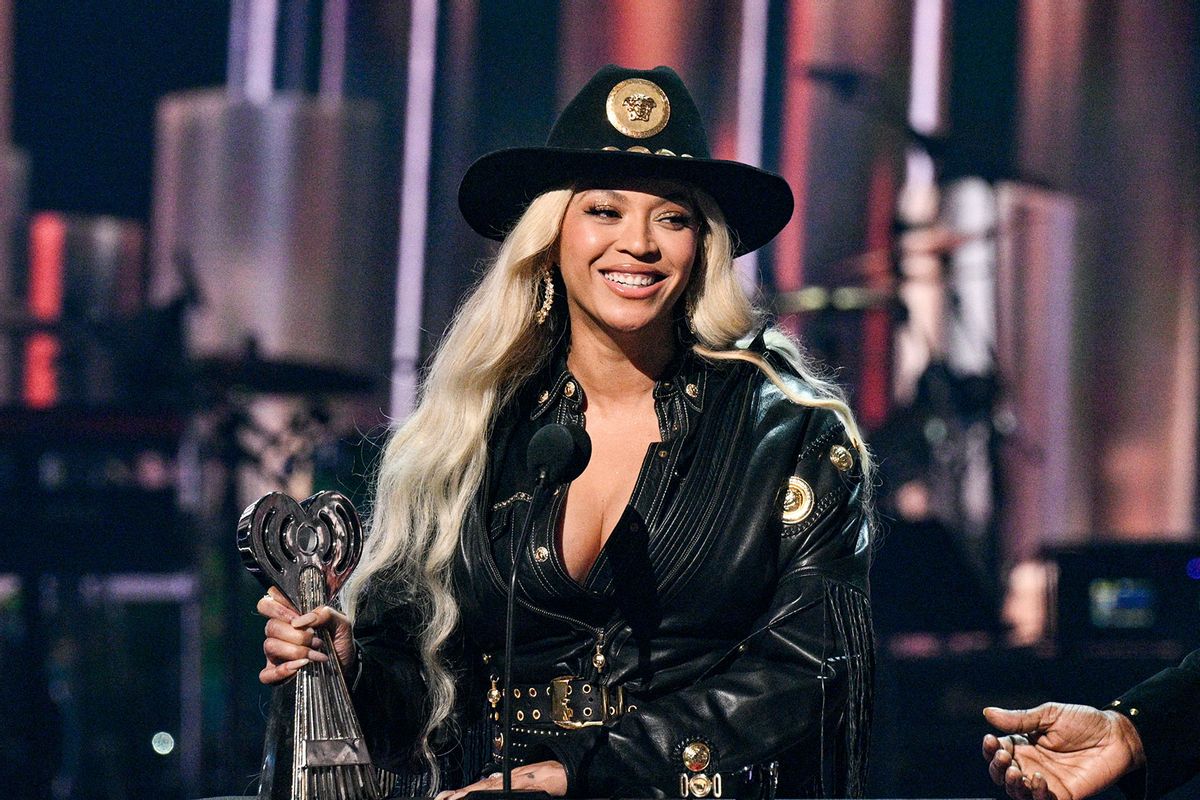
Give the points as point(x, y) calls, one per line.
point(850, 614)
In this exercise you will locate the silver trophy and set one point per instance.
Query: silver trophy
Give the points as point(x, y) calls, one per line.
point(308, 550)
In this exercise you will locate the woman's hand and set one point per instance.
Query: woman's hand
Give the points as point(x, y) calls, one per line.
point(545, 776)
point(291, 640)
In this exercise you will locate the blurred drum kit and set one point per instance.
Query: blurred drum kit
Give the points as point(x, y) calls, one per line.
point(150, 387)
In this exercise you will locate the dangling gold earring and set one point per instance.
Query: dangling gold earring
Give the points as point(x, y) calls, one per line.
point(543, 313)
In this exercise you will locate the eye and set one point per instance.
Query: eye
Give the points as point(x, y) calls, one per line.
point(602, 210)
point(677, 220)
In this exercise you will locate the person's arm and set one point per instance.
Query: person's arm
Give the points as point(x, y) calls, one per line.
point(806, 661)
point(1165, 710)
point(1059, 751)
point(1145, 740)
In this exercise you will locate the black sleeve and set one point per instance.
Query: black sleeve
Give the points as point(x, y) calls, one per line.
point(1165, 710)
point(804, 670)
point(386, 686)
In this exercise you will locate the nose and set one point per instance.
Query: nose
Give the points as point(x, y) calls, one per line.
point(637, 238)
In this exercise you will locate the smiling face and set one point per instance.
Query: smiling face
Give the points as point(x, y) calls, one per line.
point(626, 254)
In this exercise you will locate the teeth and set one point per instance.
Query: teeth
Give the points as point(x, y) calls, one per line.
point(628, 278)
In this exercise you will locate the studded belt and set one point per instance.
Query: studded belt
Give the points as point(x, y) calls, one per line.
point(566, 701)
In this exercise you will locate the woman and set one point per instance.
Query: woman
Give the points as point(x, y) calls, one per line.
point(693, 616)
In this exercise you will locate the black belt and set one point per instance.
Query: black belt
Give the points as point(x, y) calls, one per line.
point(567, 702)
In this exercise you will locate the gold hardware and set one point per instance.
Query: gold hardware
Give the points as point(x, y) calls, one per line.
point(569, 389)
point(662, 151)
point(493, 695)
point(663, 454)
point(537, 714)
point(516, 693)
point(638, 108)
point(541, 554)
point(544, 396)
point(797, 500)
point(533, 691)
point(696, 756)
point(699, 785)
point(1133, 712)
point(841, 458)
point(520, 716)
point(561, 712)
point(692, 390)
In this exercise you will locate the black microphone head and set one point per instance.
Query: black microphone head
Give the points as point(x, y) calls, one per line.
point(558, 453)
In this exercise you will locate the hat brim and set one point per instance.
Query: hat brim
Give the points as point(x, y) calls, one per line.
point(499, 186)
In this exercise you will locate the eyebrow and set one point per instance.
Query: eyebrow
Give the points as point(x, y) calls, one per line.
point(679, 198)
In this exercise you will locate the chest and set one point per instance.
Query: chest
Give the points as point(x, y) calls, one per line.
point(598, 497)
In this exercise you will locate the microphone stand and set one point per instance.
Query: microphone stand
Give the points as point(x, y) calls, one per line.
point(557, 454)
point(539, 494)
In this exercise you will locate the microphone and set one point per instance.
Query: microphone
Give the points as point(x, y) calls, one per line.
point(556, 454)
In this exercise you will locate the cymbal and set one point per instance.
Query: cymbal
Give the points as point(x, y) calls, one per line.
point(834, 298)
point(280, 376)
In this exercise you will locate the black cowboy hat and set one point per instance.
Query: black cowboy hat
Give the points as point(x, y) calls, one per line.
point(626, 123)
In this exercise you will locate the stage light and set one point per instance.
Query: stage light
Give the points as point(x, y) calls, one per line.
point(1193, 569)
point(163, 743)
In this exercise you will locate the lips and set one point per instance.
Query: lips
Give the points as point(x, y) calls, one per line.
point(632, 279)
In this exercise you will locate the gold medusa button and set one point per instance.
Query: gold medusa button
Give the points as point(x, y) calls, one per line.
point(696, 756)
point(569, 389)
point(544, 396)
point(841, 457)
point(797, 500)
point(700, 785)
point(541, 554)
point(638, 108)
point(693, 391)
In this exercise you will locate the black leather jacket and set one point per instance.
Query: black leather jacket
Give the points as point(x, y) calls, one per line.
point(729, 605)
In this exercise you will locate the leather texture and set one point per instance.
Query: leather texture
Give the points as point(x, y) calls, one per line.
point(723, 624)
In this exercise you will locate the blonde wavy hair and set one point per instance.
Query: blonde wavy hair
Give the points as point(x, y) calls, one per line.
point(433, 464)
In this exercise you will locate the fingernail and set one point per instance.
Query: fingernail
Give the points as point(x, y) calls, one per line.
point(315, 656)
point(317, 643)
point(297, 664)
point(304, 620)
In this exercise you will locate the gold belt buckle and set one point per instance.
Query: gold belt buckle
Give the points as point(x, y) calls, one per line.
point(560, 707)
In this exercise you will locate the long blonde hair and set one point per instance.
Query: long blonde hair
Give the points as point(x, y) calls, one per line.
point(433, 464)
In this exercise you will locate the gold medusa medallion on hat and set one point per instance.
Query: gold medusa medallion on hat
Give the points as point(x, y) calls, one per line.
point(626, 124)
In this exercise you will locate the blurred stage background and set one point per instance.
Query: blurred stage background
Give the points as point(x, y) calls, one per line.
point(229, 239)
